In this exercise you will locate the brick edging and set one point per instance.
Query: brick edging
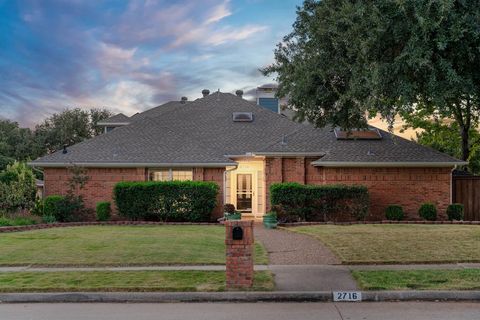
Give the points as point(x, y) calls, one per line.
point(97, 223)
point(298, 224)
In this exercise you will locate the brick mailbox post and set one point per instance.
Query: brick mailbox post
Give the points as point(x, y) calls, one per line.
point(239, 264)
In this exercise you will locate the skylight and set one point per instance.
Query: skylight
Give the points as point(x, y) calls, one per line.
point(368, 134)
point(242, 116)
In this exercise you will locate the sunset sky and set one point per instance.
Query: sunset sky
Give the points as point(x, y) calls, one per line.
point(129, 56)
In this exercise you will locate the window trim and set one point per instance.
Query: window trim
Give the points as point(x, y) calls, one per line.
point(170, 172)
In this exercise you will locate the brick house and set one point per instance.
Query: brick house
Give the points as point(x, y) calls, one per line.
point(245, 148)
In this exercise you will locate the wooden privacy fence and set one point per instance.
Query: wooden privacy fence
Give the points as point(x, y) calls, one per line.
point(466, 190)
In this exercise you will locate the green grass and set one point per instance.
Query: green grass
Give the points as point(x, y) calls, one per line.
point(124, 281)
point(118, 246)
point(388, 244)
point(467, 279)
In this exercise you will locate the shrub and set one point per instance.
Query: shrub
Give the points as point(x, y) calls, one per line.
point(38, 208)
point(103, 211)
point(19, 221)
point(297, 202)
point(65, 208)
point(166, 200)
point(48, 219)
point(17, 187)
point(394, 212)
point(455, 211)
point(428, 211)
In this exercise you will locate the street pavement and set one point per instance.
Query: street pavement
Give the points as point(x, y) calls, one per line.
point(237, 311)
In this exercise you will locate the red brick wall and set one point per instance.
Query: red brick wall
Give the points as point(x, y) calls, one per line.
point(213, 175)
point(99, 187)
point(102, 180)
point(408, 187)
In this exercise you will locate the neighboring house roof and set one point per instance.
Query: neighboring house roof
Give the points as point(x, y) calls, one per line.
point(119, 118)
point(202, 133)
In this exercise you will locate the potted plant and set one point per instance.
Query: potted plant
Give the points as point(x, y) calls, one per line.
point(230, 213)
point(270, 220)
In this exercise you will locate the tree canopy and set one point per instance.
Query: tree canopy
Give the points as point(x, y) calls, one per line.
point(344, 58)
point(68, 127)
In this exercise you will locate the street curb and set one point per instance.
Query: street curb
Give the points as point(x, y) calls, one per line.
point(276, 296)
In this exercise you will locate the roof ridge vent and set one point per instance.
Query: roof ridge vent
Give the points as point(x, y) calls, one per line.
point(242, 116)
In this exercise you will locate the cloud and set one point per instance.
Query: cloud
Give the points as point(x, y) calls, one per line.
point(219, 12)
point(126, 56)
point(228, 34)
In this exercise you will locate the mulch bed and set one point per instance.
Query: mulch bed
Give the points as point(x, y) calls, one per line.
point(298, 224)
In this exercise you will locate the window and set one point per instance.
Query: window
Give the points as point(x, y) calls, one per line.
point(269, 103)
point(171, 174)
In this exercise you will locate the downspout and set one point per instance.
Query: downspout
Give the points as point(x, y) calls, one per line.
point(225, 184)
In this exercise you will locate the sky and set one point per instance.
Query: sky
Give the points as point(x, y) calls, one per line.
point(129, 56)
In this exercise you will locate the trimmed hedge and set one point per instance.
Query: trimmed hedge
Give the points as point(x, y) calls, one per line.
point(104, 211)
point(428, 211)
point(190, 201)
point(64, 209)
point(455, 211)
point(394, 212)
point(296, 202)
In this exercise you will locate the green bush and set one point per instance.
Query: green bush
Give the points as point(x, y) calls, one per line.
point(297, 202)
point(64, 208)
point(394, 212)
point(103, 211)
point(167, 200)
point(48, 219)
point(428, 211)
point(17, 187)
point(455, 211)
point(20, 221)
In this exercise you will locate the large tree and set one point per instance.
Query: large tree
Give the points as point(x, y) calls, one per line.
point(68, 127)
point(346, 57)
point(15, 143)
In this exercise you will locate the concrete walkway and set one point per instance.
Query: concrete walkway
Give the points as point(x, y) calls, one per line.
point(302, 263)
point(289, 248)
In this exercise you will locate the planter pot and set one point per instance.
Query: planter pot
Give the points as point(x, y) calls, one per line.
point(270, 222)
point(235, 216)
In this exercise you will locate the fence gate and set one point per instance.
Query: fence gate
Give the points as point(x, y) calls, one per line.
point(466, 190)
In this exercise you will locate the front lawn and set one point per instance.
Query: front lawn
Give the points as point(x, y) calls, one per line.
point(124, 281)
point(389, 244)
point(468, 279)
point(118, 246)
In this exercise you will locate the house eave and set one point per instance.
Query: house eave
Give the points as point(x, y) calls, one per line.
point(131, 164)
point(409, 164)
point(289, 154)
point(107, 124)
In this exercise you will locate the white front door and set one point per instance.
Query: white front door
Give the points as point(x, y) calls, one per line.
point(245, 191)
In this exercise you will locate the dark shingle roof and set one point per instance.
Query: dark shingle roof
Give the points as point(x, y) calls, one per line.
point(202, 131)
point(118, 118)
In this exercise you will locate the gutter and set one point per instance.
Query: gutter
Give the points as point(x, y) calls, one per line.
point(113, 123)
point(290, 154)
point(130, 164)
point(353, 164)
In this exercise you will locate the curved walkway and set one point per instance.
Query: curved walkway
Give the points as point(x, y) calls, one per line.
point(289, 248)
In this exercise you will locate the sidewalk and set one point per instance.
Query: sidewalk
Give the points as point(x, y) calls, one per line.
point(273, 268)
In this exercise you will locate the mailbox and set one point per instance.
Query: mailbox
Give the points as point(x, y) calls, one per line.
point(237, 233)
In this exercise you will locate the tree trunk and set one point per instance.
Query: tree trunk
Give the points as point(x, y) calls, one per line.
point(465, 143)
